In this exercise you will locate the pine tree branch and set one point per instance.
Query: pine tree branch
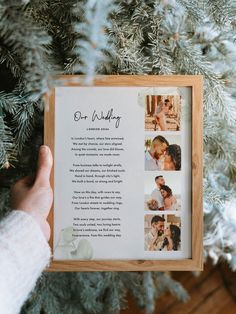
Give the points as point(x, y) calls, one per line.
point(7, 147)
point(10, 59)
point(93, 42)
point(29, 42)
point(57, 18)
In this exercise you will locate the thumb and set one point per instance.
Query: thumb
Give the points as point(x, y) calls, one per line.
point(26, 181)
point(45, 161)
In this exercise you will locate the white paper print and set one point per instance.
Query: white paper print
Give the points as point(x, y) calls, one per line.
point(100, 182)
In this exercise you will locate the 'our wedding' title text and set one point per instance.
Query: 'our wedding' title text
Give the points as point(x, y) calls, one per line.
point(107, 116)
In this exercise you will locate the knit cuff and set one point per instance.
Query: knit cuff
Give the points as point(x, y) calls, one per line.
point(24, 253)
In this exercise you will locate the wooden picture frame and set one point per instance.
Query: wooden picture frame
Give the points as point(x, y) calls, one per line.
point(195, 83)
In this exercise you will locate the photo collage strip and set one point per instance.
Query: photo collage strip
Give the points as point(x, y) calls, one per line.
point(162, 173)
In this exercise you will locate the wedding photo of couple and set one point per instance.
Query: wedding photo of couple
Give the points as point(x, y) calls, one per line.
point(159, 195)
point(161, 155)
point(162, 185)
point(162, 112)
point(162, 233)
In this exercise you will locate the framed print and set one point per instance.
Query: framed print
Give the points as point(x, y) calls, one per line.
point(127, 173)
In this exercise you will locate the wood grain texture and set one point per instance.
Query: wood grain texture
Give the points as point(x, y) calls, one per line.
point(196, 85)
point(49, 138)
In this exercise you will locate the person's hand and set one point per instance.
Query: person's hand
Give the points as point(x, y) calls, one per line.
point(155, 236)
point(35, 196)
point(153, 243)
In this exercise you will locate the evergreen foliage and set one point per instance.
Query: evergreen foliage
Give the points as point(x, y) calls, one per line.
point(39, 39)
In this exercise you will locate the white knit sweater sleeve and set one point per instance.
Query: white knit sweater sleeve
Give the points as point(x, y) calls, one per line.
point(24, 253)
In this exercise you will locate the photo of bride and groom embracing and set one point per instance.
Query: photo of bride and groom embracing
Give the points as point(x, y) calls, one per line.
point(162, 196)
point(162, 112)
point(162, 233)
point(161, 155)
point(163, 173)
